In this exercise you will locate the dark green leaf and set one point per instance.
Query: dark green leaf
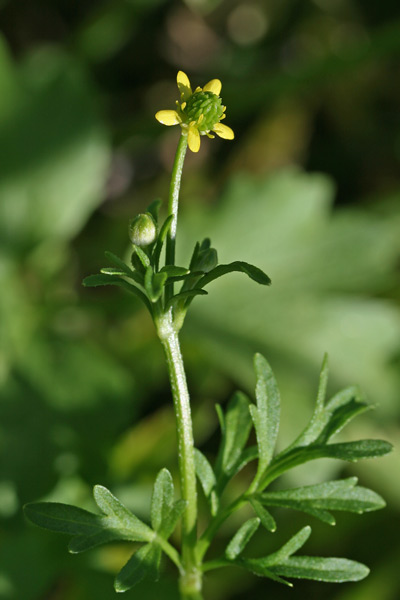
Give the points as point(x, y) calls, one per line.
point(343, 494)
point(154, 283)
point(235, 429)
point(154, 208)
point(262, 513)
point(349, 451)
point(161, 239)
point(81, 543)
point(184, 296)
point(207, 479)
point(63, 518)
point(101, 279)
point(143, 564)
point(174, 271)
point(118, 516)
point(162, 498)
point(142, 256)
point(241, 538)
point(266, 414)
point(336, 570)
point(241, 267)
point(172, 518)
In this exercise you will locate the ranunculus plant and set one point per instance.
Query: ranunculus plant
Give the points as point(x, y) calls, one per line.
point(168, 291)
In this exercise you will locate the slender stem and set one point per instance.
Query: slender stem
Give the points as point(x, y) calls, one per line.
point(173, 203)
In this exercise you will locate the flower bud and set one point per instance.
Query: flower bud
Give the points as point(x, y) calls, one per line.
point(142, 230)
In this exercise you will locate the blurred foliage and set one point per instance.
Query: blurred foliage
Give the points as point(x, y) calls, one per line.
point(310, 86)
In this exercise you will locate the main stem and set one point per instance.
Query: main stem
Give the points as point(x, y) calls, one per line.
point(190, 582)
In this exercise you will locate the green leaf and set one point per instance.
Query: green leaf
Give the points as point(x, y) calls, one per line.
point(342, 495)
point(349, 451)
point(184, 296)
point(142, 256)
point(154, 208)
point(241, 538)
point(171, 519)
point(162, 498)
point(266, 414)
point(154, 283)
point(63, 518)
point(119, 516)
point(207, 479)
point(238, 266)
point(235, 429)
point(174, 271)
point(101, 279)
point(161, 239)
point(265, 517)
point(266, 566)
point(118, 263)
point(89, 529)
point(143, 564)
point(335, 570)
point(330, 419)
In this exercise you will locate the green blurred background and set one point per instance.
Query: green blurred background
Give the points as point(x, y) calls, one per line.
point(309, 191)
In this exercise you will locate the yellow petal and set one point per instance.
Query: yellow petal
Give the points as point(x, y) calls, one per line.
point(194, 139)
point(168, 117)
point(183, 85)
point(213, 86)
point(223, 131)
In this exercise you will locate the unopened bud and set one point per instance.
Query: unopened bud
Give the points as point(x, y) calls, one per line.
point(142, 230)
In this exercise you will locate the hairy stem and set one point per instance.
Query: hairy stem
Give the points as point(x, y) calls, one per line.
point(173, 203)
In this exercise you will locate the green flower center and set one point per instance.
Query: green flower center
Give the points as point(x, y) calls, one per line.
point(207, 104)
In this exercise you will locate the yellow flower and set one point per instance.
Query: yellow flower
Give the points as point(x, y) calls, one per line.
point(198, 113)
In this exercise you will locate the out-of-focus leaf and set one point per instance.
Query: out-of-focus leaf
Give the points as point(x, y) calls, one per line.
point(325, 267)
point(54, 152)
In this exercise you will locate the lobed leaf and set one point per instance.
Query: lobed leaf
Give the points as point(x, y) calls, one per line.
point(266, 414)
point(120, 517)
point(162, 498)
point(341, 495)
point(349, 451)
point(207, 480)
point(154, 283)
point(235, 428)
point(241, 538)
point(143, 564)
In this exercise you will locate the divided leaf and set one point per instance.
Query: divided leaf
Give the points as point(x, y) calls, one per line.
point(316, 500)
point(349, 451)
point(90, 530)
point(266, 414)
